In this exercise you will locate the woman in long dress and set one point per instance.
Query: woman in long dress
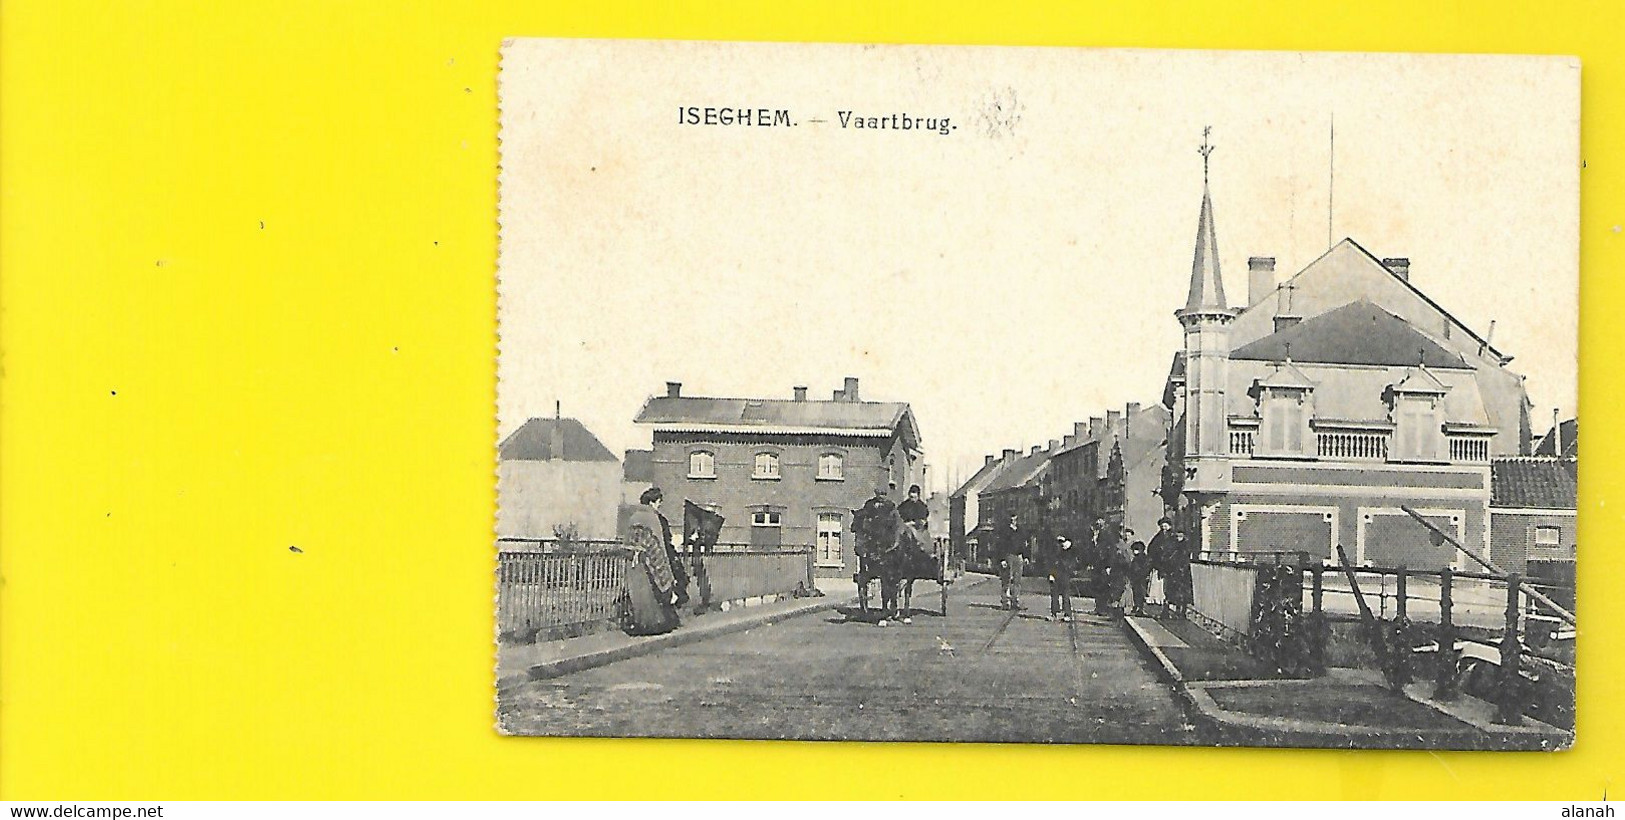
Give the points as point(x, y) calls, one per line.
point(650, 582)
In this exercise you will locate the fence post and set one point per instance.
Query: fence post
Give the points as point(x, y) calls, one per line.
point(1401, 644)
point(1444, 679)
point(1317, 593)
point(1510, 703)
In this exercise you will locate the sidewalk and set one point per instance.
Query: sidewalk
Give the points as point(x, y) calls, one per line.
point(1245, 703)
point(519, 662)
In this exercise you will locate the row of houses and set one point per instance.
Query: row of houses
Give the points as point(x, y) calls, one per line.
point(1307, 419)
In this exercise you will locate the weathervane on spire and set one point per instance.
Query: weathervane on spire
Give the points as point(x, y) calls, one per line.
point(1207, 148)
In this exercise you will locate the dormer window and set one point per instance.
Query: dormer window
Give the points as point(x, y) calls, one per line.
point(1285, 422)
point(1285, 408)
point(1416, 427)
point(1416, 405)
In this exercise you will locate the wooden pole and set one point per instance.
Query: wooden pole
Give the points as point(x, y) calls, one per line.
point(1317, 603)
point(1444, 681)
point(1510, 703)
point(1562, 613)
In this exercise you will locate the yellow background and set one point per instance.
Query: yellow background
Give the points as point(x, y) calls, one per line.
point(247, 302)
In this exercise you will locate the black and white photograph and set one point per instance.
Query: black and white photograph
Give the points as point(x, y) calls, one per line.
point(1037, 395)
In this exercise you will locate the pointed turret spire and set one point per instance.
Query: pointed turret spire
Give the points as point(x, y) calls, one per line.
point(1207, 286)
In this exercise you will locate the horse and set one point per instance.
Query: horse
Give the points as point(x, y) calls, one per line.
point(892, 551)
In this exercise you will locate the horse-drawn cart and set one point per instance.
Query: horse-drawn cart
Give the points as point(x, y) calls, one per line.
point(897, 554)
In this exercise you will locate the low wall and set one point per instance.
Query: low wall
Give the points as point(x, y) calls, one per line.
point(731, 578)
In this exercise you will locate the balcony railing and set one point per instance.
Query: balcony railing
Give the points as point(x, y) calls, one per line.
point(1241, 442)
point(1469, 448)
point(1351, 445)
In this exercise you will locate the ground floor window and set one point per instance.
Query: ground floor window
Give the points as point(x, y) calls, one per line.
point(829, 540)
point(764, 528)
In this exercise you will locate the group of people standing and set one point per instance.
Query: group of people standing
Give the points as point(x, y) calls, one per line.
point(1127, 574)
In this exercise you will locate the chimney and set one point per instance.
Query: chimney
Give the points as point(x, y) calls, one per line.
point(1080, 430)
point(1095, 424)
point(555, 439)
point(839, 395)
point(1113, 421)
point(987, 460)
point(674, 390)
point(1132, 410)
point(1054, 444)
point(801, 392)
point(1401, 266)
point(851, 391)
point(1037, 448)
point(1009, 454)
point(1068, 440)
point(1284, 322)
point(1260, 278)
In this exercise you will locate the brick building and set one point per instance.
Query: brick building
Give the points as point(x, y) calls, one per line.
point(1306, 419)
point(1533, 511)
point(783, 472)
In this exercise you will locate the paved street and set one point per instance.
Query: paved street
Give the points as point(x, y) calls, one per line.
point(981, 674)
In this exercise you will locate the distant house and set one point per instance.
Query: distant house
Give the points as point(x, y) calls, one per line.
point(1533, 510)
point(964, 507)
point(1018, 491)
point(783, 472)
point(554, 473)
point(637, 474)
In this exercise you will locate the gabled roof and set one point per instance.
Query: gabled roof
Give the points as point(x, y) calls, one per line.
point(638, 466)
point(1419, 380)
point(981, 479)
point(1404, 280)
point(1568, 432)
point(535, 441)
point(1530, 482)
point(1358, 333)
point(1286, 375)
point(1021, 472)
point(781, 416)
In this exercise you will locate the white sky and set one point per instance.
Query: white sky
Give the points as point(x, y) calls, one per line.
point(1006, 284)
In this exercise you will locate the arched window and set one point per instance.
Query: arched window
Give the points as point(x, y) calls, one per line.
point(830, 467)
point(767, 466)
point(702, 464)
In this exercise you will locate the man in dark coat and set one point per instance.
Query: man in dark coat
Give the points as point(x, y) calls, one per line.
point(1139, 576)
point(1063, 566)
point(652, 497)
point(1157, 553)
point(1012, 562)
point(913, 510)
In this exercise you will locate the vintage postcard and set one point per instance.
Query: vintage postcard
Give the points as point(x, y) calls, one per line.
point(1034, 395)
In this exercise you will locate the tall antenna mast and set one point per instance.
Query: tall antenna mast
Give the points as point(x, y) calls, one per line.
point(1331, 177)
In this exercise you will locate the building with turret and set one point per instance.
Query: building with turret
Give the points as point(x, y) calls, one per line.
point(1308, 417)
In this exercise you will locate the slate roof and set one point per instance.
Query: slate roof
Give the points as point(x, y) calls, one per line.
point(1020, 472)
point(533, 441)
point(1372, 259)
point(1533, 482)
point(1571, 440)
point(1358, 333)
point(781, 414)
point(978, 481)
